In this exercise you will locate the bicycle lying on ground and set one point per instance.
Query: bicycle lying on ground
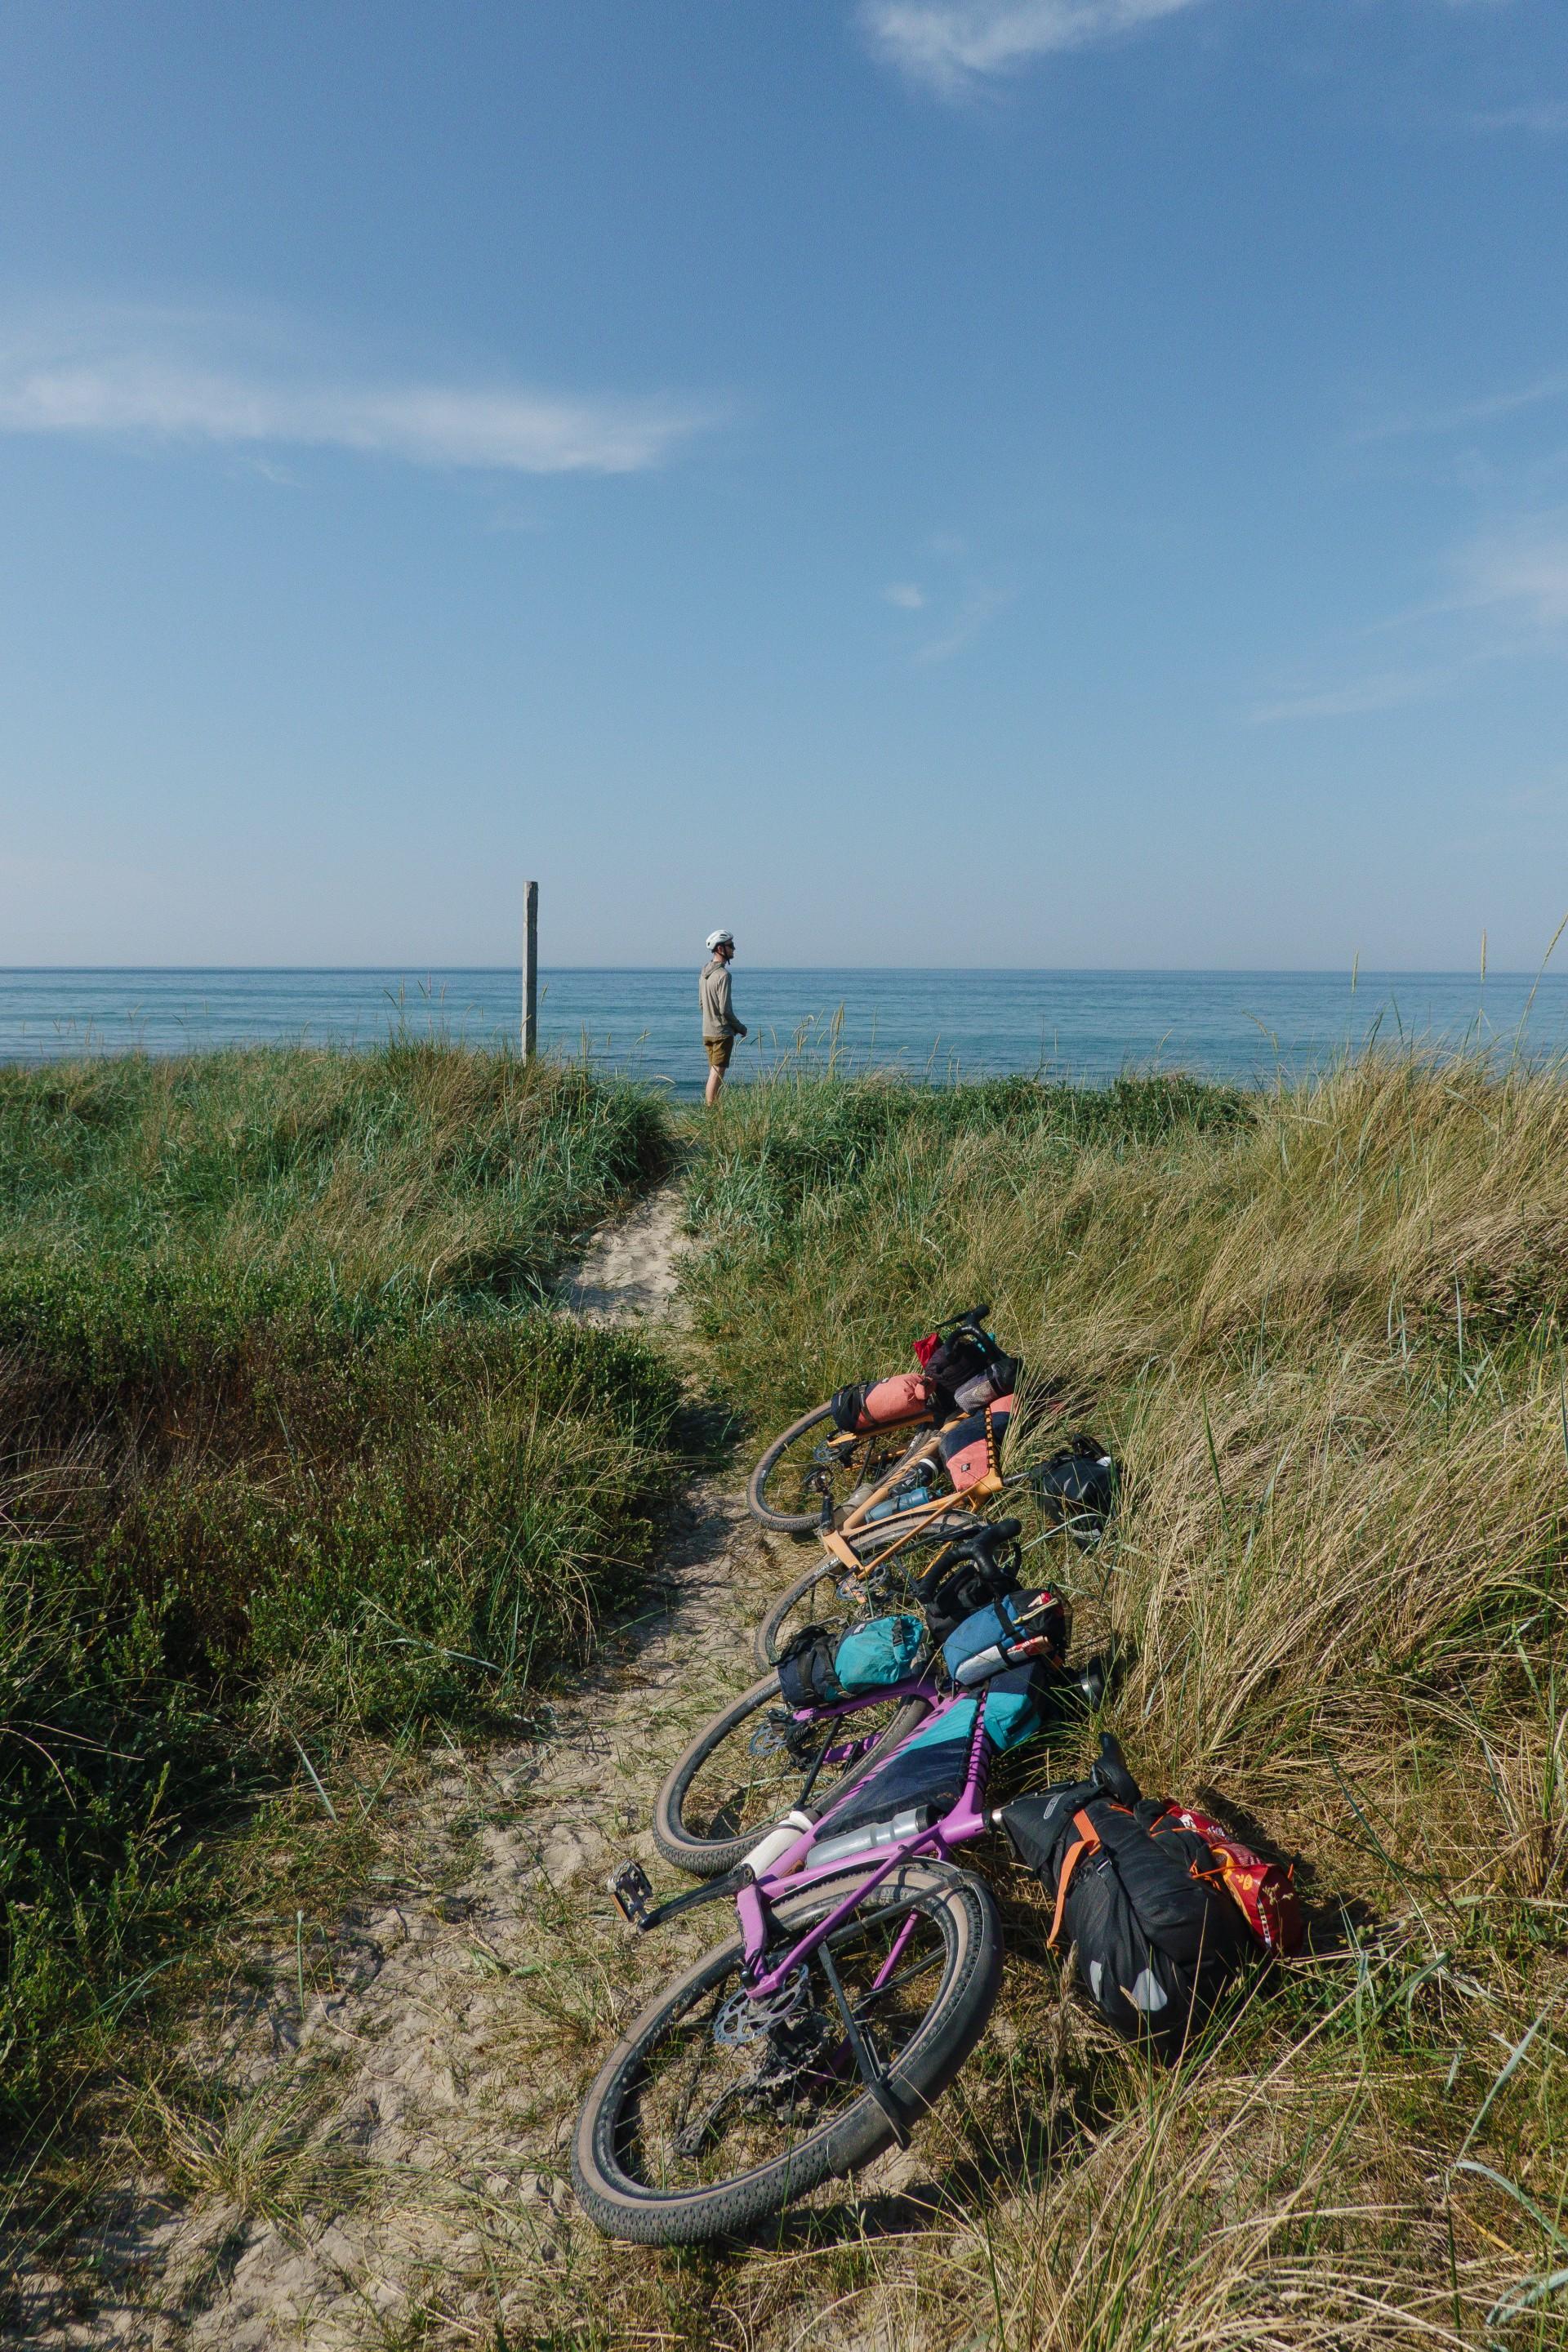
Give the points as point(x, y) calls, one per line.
point(758, 1760)
point(863, 1968)
point(884, 1498)
point(1073, 1490)
point(820, 1467)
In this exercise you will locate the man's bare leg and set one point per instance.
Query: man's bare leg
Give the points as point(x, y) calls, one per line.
point(715, 1080)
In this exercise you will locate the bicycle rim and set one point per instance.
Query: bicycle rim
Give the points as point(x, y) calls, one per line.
point(716, 2111)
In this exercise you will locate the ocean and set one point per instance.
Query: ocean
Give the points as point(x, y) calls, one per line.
point(1248, 1027)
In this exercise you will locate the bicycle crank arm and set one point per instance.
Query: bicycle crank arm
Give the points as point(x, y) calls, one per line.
point(633, 1896)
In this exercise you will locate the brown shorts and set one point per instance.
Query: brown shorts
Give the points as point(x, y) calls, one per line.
point(718, 1052)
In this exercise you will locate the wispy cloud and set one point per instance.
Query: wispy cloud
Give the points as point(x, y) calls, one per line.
point(1488, 408)
point(955, 46)
point(958, 47)
point(1386, 691)
point(164, 377)
point(1520, 575)
point(1547, 120)
point(1506, 601)
point(979, 605)
point(906, 597)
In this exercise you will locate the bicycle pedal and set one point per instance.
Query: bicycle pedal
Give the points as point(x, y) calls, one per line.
point(633, 1893)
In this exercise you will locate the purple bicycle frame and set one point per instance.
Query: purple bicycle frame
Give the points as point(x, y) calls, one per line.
point(793, 1872)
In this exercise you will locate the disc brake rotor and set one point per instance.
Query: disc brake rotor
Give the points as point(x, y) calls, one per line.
point(776, 1732)
point(743, 2019)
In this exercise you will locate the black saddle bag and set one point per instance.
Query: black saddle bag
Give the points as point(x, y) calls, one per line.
point(1140, 1900)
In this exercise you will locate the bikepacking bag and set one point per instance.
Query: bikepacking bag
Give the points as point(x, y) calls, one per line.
point(882, 1404)
point(972, 1447)
point(925, 1775)
point(818, 1668)
point(1263, 1892)
point(1149, 1904)
point(1004, 1620)
point(1077, 1486)
point(969, 1370)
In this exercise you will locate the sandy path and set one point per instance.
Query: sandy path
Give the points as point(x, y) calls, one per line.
point(392, 2166)
point(629, 1270)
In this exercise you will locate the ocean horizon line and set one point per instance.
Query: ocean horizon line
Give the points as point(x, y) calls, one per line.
point(1354, 976)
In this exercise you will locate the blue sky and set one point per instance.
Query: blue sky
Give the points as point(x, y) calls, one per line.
point(928, 482)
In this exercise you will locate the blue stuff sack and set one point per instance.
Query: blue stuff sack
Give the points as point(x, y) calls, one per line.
point(883, 1652)
point(997, 1622)
point(1018, 1699)
point(1003, 1619)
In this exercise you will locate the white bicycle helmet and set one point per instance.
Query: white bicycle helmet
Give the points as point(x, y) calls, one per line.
point(720, 939)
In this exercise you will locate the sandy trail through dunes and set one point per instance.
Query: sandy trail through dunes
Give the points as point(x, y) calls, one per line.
point(391, 2166)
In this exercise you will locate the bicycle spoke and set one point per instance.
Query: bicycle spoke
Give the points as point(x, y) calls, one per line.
point(906, 1976)
point(733, 2084)
point(768, 1764)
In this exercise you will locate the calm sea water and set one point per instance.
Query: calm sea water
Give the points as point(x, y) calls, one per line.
point(1244, 1026)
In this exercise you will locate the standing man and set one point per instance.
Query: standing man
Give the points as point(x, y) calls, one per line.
point(720, 1026)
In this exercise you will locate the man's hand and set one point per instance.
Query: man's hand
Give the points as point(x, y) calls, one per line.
point(742, 1030)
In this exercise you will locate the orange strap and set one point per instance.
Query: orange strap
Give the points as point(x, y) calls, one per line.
point(1088, 1842)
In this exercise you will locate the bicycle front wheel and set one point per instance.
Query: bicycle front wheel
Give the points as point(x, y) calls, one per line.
point(752, 1763)
point(777, 1491)
point(716, 2110)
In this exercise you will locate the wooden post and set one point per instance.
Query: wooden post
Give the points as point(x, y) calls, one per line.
point(530, 969)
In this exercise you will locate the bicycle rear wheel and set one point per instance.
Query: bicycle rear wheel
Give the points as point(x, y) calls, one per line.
point(752, 1763)
point(805, 1464)
point(714, 2111)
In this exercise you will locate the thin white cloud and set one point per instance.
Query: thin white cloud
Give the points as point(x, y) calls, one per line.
point(147, 377)
point(958, 47)
point(979, 606)
point(1387, 692)
point(954, 46)
point(1519, 575)
point(906, 597)
point(1548, 120)
point(1487, 409)
point(1507, 602)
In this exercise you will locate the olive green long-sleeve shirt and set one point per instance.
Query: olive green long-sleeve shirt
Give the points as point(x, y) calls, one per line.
point(713, 993)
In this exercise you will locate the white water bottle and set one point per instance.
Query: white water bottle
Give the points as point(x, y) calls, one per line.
point(902, 1825)
point(778, 1841)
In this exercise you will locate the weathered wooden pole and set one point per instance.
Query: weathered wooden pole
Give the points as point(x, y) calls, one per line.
point(530, 969)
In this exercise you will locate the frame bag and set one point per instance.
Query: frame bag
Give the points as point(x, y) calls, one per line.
point(971, 1447)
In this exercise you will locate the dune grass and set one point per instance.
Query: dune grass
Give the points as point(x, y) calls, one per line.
point(294, 1448)
point(1322, 1330)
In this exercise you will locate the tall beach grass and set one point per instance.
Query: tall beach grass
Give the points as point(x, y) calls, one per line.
point(1322, 1330)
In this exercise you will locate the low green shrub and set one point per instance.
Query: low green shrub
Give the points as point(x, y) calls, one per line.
point(293, 1447)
